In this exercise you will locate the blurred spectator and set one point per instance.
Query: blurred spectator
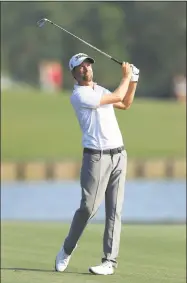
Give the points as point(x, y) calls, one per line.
point(50, 76)
point(180, 87)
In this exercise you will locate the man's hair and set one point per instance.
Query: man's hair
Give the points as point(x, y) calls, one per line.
point(73, 72)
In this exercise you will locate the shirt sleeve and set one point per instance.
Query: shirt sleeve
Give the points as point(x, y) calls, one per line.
point(106, 91)
point(89, 98)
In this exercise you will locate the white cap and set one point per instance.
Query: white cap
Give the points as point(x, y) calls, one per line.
point(77, 59)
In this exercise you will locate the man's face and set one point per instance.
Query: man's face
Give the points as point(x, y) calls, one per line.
point(83, 72)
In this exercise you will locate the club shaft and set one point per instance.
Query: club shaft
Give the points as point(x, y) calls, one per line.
point(105, 54)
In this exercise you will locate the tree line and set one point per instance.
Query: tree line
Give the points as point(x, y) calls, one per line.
point(151, 35)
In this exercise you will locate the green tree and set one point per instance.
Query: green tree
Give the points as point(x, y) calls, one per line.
point(157, 41)
point(150, 35)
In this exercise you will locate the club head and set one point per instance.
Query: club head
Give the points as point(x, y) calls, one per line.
point(42, 22)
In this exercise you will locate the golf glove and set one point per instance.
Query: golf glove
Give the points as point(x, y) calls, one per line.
point(135, 74)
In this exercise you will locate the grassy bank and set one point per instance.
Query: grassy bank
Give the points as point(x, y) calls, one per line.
point(147, 254)
point(42, 126)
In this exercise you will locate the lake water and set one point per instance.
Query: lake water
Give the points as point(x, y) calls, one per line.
point(145, 201)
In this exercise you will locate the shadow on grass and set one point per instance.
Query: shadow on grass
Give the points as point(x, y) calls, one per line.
point(41, 270)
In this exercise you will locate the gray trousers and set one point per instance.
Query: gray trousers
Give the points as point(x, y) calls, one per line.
point(102, 175)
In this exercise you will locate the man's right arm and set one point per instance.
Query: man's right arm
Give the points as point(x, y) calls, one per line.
point(119, 94)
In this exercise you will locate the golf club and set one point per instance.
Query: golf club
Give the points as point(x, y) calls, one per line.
point(42, 22)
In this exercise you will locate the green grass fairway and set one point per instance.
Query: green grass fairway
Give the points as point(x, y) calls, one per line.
point(148, 254)
point(42, 126)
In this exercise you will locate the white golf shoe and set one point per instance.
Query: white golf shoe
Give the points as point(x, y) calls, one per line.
point(105, 268)
point(62, 260)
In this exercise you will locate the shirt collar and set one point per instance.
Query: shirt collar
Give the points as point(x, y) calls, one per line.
point(76, 85)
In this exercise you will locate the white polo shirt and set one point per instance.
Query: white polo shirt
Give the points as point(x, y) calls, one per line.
point(99, 125)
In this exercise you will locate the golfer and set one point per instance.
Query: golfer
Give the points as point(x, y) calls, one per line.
point(104, 158)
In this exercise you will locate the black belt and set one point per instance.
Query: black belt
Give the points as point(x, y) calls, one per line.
point(105, 151)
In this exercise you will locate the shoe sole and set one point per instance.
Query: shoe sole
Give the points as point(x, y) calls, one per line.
point(92, 272)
